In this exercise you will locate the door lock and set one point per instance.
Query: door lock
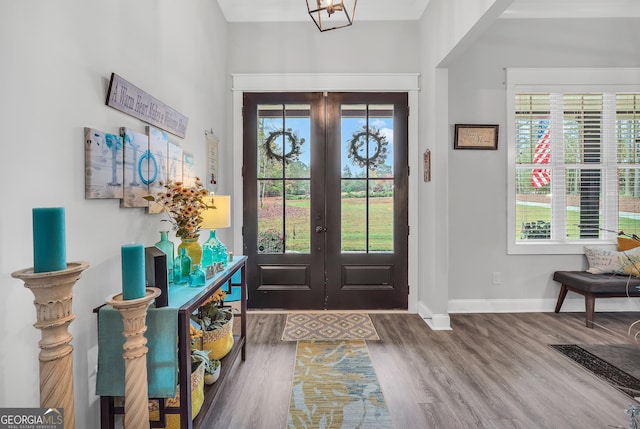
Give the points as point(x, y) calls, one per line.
point(320, 228)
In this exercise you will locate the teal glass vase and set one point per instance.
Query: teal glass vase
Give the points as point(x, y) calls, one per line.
point(197, 276)
point(207, 255)
point(167, 248)
point(218, 250)
point(182, 267)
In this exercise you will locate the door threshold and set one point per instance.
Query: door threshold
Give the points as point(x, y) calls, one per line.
point(281, 311)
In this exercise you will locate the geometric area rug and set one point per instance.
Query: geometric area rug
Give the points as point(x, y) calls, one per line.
point(617, 364)
point(335, 386)
point(329, 326)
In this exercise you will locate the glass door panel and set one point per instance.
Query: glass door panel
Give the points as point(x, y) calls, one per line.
point(367, 167)
point(284, 170)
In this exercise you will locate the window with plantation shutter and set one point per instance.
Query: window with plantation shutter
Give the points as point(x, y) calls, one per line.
point(574, 158)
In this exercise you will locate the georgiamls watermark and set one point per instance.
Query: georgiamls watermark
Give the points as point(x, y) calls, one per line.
point(31, 418)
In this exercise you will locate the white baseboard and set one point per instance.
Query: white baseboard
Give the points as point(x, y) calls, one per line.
point(442, 322)
point(539, 305)
point(437, 322)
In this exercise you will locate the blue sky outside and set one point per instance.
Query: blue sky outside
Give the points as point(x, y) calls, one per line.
point(301, 126)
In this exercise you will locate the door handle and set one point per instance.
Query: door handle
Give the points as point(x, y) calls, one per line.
point(320, 228)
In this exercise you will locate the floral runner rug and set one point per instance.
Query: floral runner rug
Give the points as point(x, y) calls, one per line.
point(329, 326)
point(335, 386)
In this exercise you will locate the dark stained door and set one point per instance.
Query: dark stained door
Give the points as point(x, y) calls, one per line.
point(325, 200)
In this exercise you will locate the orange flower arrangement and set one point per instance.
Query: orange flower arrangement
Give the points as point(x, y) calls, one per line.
point(184, 206)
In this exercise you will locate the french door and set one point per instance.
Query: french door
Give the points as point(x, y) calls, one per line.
point(325, 200)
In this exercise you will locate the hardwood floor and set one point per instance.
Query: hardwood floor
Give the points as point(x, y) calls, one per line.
point(490, 371)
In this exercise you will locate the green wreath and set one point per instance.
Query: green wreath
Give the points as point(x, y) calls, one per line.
point(359, 140)
point(294, 141)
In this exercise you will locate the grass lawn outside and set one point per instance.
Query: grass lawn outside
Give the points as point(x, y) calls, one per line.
point(538, 212)
point(354, 227)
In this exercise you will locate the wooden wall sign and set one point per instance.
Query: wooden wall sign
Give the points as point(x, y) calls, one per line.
point(129, 99)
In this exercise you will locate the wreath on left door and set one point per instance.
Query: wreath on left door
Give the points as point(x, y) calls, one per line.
point(295, 144)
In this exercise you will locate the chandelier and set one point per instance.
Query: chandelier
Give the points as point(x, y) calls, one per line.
point(331, 14)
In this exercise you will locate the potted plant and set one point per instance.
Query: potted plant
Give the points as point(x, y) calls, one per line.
point(216, 322)
point(211, 366)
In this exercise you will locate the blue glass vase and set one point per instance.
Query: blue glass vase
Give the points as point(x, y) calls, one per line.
point(207, 255)
point(167, 247)
point(218, 250)
point(182, 267)
point(197, 276)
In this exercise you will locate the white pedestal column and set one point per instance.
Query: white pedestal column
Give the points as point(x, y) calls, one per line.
point(136, 389)
point(53, 296)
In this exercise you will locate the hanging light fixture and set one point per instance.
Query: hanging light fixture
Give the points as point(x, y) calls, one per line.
point(331, 14)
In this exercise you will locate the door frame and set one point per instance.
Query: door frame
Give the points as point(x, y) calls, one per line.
point(378, 82)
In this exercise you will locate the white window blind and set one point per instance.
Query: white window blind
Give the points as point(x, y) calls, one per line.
point(574, 159)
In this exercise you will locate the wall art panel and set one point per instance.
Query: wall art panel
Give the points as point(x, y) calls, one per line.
point(136, 168)
point(103, 164)
point(158, 164)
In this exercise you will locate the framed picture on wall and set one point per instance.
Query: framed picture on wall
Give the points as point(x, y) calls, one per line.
point(480, 137)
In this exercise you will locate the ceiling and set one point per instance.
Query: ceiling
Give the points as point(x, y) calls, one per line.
point(411, 10)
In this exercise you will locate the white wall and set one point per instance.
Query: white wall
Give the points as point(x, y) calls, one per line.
point(446, 28)
point(477, 179)
point(56, 61)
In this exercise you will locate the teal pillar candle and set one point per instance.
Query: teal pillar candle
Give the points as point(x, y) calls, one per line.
point(133, 278)
point(49, 251)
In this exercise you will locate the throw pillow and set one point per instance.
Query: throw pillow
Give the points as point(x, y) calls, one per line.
point(625, 243)
point(602, 260)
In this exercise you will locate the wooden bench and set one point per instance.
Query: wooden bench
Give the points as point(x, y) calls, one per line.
point(594, 286)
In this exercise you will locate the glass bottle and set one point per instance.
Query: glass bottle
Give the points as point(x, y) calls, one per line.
point(182, 267)
point(167, 247)
point(197, 276)
point(207, 255)
point(219, 250)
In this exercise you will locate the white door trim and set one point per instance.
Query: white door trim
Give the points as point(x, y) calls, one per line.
point(334, 82)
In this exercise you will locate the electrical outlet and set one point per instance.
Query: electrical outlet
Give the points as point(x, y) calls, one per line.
point(497, 277)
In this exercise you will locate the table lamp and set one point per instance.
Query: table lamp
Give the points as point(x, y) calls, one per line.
point(217, 215)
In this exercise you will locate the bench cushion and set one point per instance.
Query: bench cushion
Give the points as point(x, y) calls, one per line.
point(599, 283)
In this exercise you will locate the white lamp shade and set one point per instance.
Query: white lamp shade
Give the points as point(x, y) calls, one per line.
point(218, 217)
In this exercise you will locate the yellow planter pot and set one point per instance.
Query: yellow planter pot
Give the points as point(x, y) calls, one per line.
point(197, 399)
point(219, 341)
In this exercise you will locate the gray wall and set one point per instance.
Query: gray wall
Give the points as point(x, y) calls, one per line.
point(298, 47)
point(477, 179)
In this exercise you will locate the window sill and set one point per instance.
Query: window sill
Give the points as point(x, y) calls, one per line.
point(549, 247)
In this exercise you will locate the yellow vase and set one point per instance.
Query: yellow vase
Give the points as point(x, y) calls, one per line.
point(193, 249)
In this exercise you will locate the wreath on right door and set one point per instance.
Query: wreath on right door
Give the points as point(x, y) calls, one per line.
point(362, 156)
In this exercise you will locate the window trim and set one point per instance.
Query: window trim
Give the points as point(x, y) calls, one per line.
point(563, 80)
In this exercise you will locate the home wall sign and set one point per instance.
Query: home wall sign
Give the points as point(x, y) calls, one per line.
point(128, 98)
